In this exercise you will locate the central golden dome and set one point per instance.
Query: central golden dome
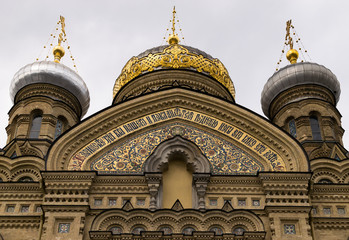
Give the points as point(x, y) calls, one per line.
point(174, 56)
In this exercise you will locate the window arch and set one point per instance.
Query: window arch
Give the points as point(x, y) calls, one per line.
point(35, 125)
point(315, 127)
point(1, 179)
point(60, 125)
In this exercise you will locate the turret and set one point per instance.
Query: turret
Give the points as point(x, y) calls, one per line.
point(48, 99)
point(301, 98)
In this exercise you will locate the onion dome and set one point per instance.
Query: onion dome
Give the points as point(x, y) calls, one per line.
point(297, 74)
point(299, 77)
point(55, 73)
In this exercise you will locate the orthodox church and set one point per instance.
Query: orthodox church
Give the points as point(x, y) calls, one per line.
point(174, 156)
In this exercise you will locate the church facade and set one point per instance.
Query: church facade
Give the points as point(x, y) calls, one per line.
point(174, 156)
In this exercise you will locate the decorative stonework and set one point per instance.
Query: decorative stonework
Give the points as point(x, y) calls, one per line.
point(178, 220)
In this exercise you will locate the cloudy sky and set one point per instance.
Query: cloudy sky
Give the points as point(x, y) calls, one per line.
point(247, 36)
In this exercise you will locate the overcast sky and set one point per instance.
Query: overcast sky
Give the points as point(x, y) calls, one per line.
point(247, 36)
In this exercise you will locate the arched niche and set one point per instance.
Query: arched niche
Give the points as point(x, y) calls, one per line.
point(166, 176)
point(158, 160)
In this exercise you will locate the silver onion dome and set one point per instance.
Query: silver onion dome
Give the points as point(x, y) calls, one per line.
point(52, 73)
point(298, 74)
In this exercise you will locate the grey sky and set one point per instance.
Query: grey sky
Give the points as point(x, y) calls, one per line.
point(247, 36)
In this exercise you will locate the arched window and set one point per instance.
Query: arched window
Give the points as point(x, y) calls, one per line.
point(166, 230)
point(315, 128)
point(116, 230)
point(325, 181)
point(1, 179)
point(138, 230)
point(59, 127)
point(35, 126)
point(292, 128)
point(216, 230)
point(25, 179)
point(239, 231)
point(188, 231)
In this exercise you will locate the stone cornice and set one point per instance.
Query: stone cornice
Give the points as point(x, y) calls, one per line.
point(65, 208)
point(68, 176)
point(20, 187)
point(330, 223)
point(19, 222)
point(288, 209)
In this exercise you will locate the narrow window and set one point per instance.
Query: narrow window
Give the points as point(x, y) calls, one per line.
point(315, 128)
point(59, 128)
point(292, 128)
point(35, 127)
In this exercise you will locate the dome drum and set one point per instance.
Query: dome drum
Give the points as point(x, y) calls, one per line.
point(53, 92)
point(172, 78)
point(298, 93)
point(298, 74)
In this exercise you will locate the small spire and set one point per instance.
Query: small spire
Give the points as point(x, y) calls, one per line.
point(292, 54)
point(58, 51)
point(173, 38)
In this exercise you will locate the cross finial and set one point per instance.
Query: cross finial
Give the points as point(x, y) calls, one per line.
point(288, 38)
point(62, 35)
point(173, 38)
point(58, 51)
point(174, 20)
point(292, 54)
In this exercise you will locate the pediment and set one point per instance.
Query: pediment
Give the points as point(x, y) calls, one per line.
point(230, 136)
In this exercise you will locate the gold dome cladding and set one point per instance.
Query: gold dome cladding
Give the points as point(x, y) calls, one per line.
point(174, 56)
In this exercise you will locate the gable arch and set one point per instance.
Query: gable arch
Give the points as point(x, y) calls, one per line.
point(158, 160)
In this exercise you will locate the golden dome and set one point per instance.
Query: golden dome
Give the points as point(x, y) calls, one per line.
point(174, 56)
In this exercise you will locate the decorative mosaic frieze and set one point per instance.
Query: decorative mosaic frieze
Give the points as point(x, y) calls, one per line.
point(129, 157)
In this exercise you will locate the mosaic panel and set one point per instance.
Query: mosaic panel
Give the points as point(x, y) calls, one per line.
point(64, 227)
point(129, 157)
point(256, 203)
point(289, 229)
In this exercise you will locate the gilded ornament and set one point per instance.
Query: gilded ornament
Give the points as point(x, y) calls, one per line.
point(174, 56)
